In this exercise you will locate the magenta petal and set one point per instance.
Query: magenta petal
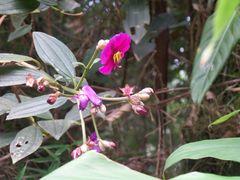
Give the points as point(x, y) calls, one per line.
point(83, 101)
point(121, 42)
point(92, 95)
point(107, 53)
point(107, 68)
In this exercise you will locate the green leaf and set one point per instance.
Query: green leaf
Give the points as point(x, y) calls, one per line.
point(6, 138)
point(207, 148)
point(5, 105)
point(19, 32)
point(204, 176)
point(54, 52)
point(95, 166)
point(9, 100)
point(223, 14)
point(212, 55)
point(110, 93)
point(73, 114)
point(33, 107)
point(68, 5)
point(49, 2)
point(10, 76)
point(17, 20)
point(55, 128)
point(8, 57)
point(17, 6)
point(21, 173)
point(27, 141)
point(224, 118)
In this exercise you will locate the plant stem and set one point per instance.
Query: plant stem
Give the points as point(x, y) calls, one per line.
point(86, 70)
point(83, 126)
point(69, 89)
point(95, 126)
point(114, 99)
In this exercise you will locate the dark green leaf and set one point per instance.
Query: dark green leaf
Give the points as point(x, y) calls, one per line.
point(17, 20)
point(68, 5)
point(17, 6)
point(55, 53)
point(19, 32)
point(33, 107)
point(207, 148)
point(224, 118)
point(95, 166)
point(212, 55)
point(27, 141)
point(56, 128)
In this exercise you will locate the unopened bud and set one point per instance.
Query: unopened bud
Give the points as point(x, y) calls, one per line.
point(147, 90)
point(93, 110)
point(135, 100)
point(84, 148)
point(106, 144)
point(140, 109)
point(143, 96)
point(52, 98)
point(102, 44)
point(41, 88)
point(102, 108)
point(30, 81)
point(76, 153)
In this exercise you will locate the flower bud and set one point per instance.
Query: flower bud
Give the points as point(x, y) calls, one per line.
point(76, 153)
point(41, 88)
point(84, 148)
point(102, 108)
point(106, 144)
point(147, 90)
point(52, 98)
point(102, 44)
point(140, 109)
point(135, 100)
point(30, 81)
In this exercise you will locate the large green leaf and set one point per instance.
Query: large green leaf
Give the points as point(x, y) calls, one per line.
point(9, 100)
point(56, 128)
point(212, 55)
point(224, 118)
point(33, 107)
point(17, 6)
point(223, 13)
point(6, 138)
point(204, 176)
point(95, 166)
point(54, 52)
point(224, 149)
point(8, 57)
point(10, 76)
point(27, 141)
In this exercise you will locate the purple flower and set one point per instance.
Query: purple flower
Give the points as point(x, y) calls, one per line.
point(87, 94)
point(93, 142)
point(114, 51)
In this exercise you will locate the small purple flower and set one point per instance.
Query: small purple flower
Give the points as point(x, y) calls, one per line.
point(114, 51)
point(93, 142)
point(87, 94)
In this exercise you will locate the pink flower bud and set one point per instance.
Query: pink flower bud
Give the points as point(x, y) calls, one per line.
point(140, 109)
point(76, 153)
point(41, 88)
point(106, 144)
point(84, 148)
point(147, 90)
point(52, 98)
point(30, 81)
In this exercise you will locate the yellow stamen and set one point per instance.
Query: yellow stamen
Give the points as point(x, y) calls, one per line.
point(117, 57)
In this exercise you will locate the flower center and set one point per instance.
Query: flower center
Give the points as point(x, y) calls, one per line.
point(117, 57)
